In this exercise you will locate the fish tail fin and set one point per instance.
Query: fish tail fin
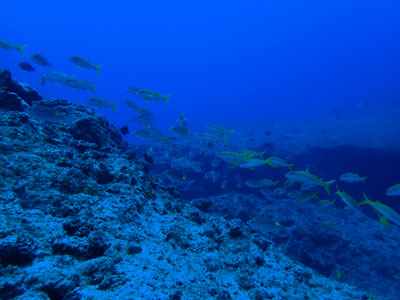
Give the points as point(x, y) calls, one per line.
point(315, 195)
point(337, 188)
point(268, 162)
point(287, 182)
point(166, 98)
point(363, 179)
point(96, 68)
point(326, 185)
point(230, 132)
point(113, 106)
point(276, 182)
point(291, 167)
point(366, 200)
point(384, 222)
point(91, 87)
point(330, 182)
point(20, 47)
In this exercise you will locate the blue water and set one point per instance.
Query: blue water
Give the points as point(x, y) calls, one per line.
point(221, 61)
point(233, 63)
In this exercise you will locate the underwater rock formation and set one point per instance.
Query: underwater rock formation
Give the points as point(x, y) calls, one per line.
point(322, 238)
point(82, 219)
point(374, 127)
point(13, 94)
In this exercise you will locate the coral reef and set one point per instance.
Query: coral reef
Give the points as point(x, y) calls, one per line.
point(81, 218)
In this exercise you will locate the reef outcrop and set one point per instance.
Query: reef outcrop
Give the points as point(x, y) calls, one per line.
point(81, 218)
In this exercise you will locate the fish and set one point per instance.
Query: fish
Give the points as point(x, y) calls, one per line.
point(8, 46)
point(143, 120)
point(220, 130)
point(213, 137)
point(383, 209)
point(40, 60)
point(144, 134)
point(384, 222)
point(133, 90)
point(78, 84)
point(247, 153)
point(101, 103)
point(56, 77)
point(230, 155)
point(265, 225)
point(252, 163)
point(175, 176)
point(268, 182)
point(132, 104)
point(180, 130)
point(348, 200)
point(124, 130)
point(48, 113)
point(308, 178)
point(182, 120)
point(352, 177)
point(81, 62)
point(338, 274)
point(325, 203)
point(140, 110)
point(306, 187)
point(307, 197)
point(254, 183)
point(155, 131)
point(144, 117)
point(276, 162)
point(26, 66)
point(147, 95)
point(394, 190)
point(224, 183)
point(168, 140)
point(184, 163)
point(293, 194)
point(259, 183)
point(279, 191)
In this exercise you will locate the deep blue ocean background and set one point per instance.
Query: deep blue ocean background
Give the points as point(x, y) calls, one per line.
point(222, 61)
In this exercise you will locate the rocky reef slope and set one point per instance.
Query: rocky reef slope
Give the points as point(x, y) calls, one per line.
point(81, 218)
point(375, 126)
